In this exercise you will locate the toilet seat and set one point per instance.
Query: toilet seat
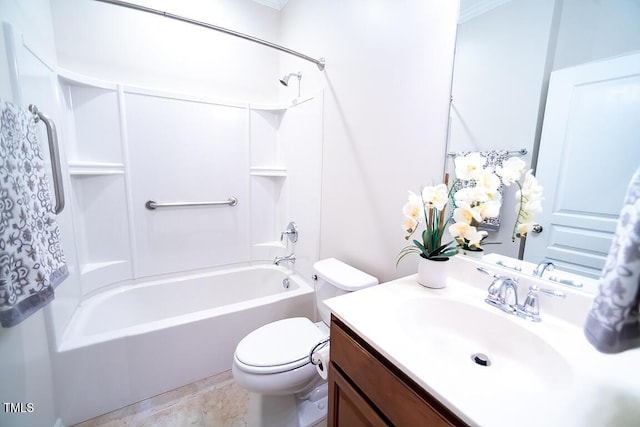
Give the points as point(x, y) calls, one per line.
point(278, 346)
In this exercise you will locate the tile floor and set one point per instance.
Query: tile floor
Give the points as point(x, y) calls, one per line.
point(212, 402)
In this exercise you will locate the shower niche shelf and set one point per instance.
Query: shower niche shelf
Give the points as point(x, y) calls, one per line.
point(94, 168)
point(98, 179)
point(268, 171)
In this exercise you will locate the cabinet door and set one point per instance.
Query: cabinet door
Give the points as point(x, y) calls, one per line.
point(369, 388)
point(347, 408)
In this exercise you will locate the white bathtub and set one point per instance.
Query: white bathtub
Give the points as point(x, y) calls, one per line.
point(131, 343)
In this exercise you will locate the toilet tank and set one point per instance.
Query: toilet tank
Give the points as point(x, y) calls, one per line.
point(335, 278)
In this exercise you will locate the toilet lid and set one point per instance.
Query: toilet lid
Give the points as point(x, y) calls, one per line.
point(283, 344)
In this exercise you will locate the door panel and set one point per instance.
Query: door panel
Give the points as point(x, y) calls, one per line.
point(589, 149)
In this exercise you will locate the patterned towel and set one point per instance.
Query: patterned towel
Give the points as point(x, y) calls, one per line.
point(613, 324)
point(31, 261)
point(495, 158)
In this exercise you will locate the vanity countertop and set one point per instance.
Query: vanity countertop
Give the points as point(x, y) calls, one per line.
point(563, 381)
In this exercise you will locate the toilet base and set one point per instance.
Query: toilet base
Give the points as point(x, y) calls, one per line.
point(305, 410)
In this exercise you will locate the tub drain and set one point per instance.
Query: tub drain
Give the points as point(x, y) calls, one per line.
point(481, 359)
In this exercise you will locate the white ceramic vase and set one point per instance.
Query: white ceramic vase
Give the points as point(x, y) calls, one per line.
point(432, 274)
point(473, 254)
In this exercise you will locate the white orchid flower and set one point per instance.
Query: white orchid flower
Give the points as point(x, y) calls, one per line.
point(436, 196)
point(470, 166)
point(488, 181)
point(409, 225)
point(489, 209)
point(511, 170)
point(523, 228)
point(465, 213)
point(470, 195)
point(464, 231)
point(413, 209)
point(530, 187)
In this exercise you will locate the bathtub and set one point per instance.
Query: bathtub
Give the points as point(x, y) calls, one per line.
point(135, 341)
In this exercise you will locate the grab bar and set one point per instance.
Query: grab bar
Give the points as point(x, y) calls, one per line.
point(151, 205)
point(54, 152)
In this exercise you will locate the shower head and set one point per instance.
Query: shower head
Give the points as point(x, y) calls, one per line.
point(285, 79)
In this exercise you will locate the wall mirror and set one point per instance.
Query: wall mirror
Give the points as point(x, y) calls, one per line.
point(506, 53)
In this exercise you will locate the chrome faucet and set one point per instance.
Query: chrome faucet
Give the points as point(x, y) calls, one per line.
point(289, 258)
point(540, 268)
point(503, 294)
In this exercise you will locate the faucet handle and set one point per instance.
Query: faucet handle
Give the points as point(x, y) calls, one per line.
point(291, 232)
point(551, 292)
point(531, 308)
point(487, 272)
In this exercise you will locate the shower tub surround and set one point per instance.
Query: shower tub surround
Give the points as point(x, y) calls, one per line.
point(163, 296)
point(131, 343)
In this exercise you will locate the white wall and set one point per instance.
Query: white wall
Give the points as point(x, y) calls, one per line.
point(124, 45)
point(386, 83)
point(592, 29)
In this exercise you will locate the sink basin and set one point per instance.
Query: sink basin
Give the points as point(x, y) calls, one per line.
point(449, 333)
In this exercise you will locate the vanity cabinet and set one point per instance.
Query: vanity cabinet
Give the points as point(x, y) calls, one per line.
point(366, 389)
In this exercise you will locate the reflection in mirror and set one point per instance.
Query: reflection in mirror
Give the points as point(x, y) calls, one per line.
point(506, 53)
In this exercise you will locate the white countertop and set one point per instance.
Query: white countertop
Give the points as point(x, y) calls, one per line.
point(587, 388)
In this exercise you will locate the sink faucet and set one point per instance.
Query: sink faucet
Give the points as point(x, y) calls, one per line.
point(540, 269)
point(503, 294)
point(289, 258)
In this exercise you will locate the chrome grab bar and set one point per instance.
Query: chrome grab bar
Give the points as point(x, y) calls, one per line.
point(54, 152)
point(151, 204)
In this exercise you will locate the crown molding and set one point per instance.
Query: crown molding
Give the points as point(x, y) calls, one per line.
point(275, 4)
point(470, 9)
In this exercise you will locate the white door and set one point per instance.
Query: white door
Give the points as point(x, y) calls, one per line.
point(589, 149)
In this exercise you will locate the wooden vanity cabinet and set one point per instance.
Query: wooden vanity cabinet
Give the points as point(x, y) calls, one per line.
point(365, 389)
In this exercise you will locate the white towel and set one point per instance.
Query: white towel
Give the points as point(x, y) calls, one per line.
point(31, 260)
point(613, 324)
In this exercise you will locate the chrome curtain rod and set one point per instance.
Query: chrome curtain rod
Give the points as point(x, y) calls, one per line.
point(521, 152)
point(319, 62)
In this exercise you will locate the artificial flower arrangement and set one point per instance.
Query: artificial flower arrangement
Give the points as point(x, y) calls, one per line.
point(475, 200)
point(529, 195)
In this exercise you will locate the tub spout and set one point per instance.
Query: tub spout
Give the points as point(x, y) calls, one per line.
point(289, 258)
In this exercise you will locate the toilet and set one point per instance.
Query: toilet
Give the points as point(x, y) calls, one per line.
point(273, 362)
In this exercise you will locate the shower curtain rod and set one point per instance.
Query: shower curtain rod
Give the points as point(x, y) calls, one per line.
point(319, 62)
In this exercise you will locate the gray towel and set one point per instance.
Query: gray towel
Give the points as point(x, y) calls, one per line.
point(613, 324)
point(31, 260)
point(495, 158)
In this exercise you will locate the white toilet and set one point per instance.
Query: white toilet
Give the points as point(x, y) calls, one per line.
point(273, 362)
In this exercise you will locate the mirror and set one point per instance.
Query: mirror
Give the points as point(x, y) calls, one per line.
point(506, 51)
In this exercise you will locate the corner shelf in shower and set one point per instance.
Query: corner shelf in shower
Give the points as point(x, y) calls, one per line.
point(95, 169)
point(267, 171)
point(281, 107)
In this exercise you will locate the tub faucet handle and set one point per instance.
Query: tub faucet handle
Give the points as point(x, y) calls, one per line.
point(291, 232)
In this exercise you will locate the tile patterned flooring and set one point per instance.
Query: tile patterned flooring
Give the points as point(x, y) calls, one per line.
point(211, 402)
